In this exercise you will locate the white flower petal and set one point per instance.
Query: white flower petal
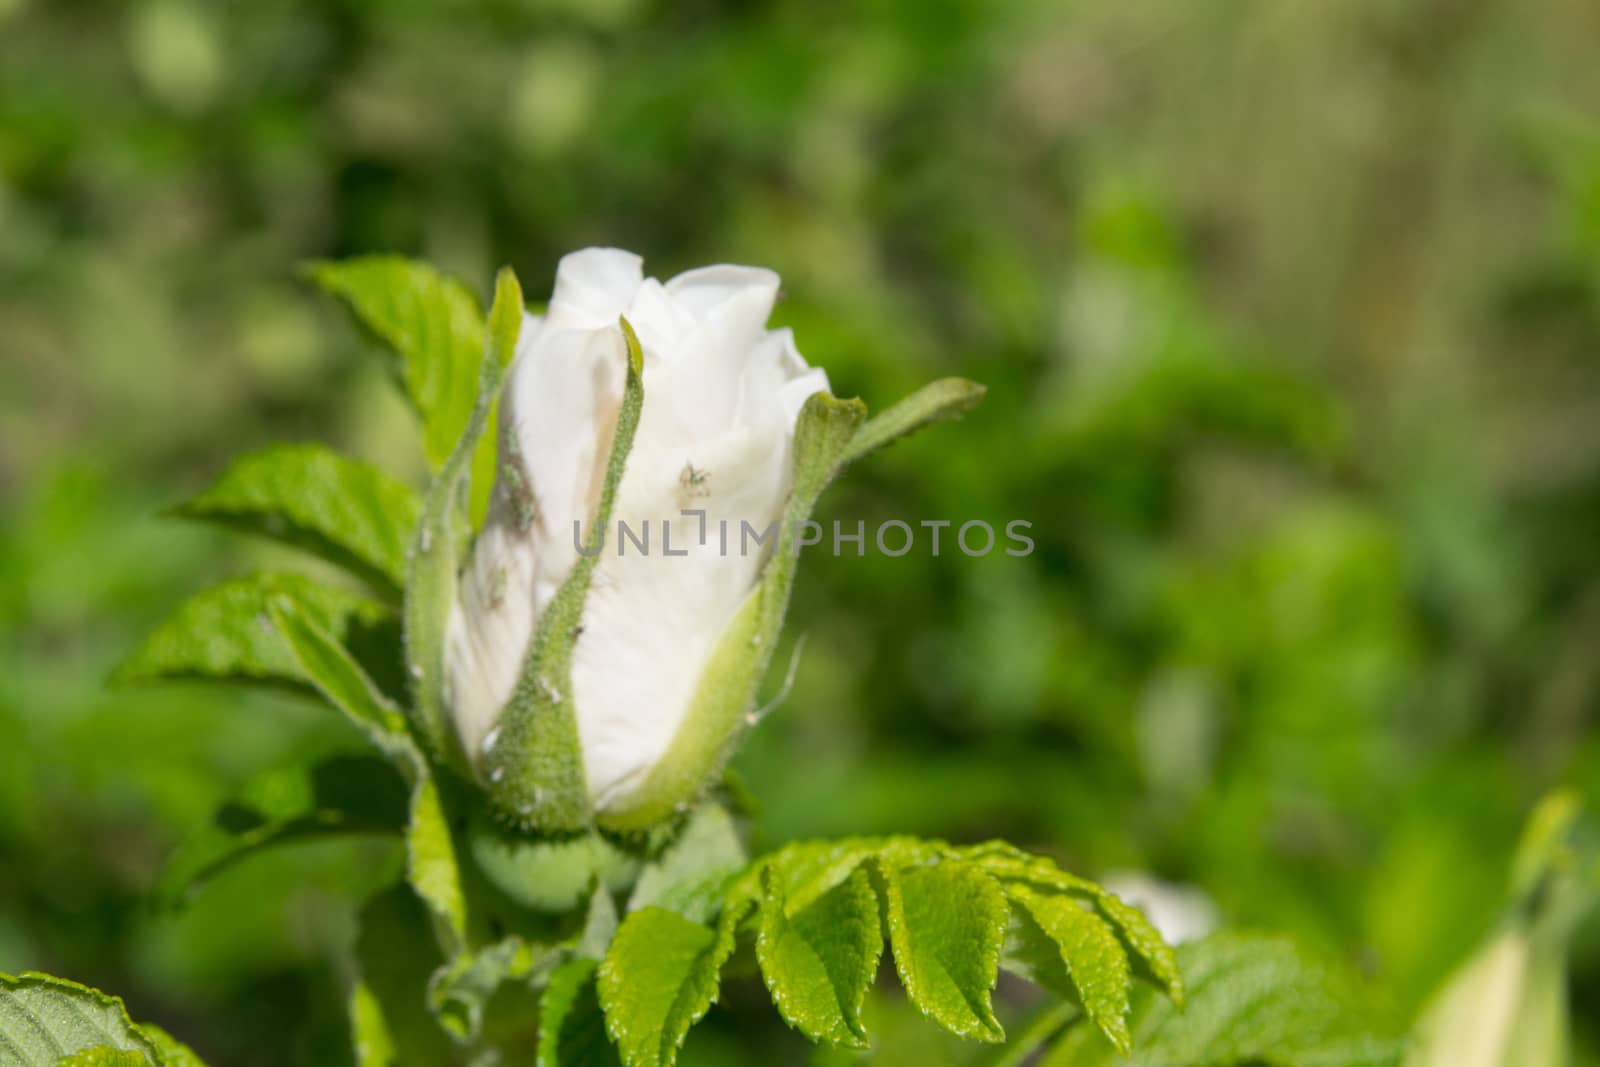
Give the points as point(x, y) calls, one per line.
point(652, 621)
point(594, 286)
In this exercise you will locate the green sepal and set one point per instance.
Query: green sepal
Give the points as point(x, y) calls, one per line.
point(689, 875)
point(435, 550)
point(718, 715)
point(947, 398)
point(552, 875)
point(533, 766)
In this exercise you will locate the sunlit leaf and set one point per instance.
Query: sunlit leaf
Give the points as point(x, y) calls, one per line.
point(315, 499)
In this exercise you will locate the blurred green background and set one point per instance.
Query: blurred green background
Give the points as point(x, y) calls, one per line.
point(1290, 314)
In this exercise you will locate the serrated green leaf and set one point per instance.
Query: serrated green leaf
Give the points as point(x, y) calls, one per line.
point(947, 398)
point(339, 796)
point(658, 979)
point(312, 498)
point(689, 874)
point(224, 634)
point(433, 326)
point(947, 925)
point(819, 961)
point(1252, 1000)
point(170, 1052)
point(430, 589)
point(1091, 954)
point(44, 1020)
point(1153, 958)
point(719, 712)
point(572, 1026)
point(535, 767)
point(330, 667)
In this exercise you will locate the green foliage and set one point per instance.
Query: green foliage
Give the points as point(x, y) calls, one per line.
point(436, 543)
point(430, 324)
point(572, 1028)
point(820, 962)
point(659, 977)
point(346, 512)
point(689, 874)
point(46, 1021)
point(284, 805)
point(815, 912)
point(222, 634)
point(1252, 1000)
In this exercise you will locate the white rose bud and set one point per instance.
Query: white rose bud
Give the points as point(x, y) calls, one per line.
point(714, 437)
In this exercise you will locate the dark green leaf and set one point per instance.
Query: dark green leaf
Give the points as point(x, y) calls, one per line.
point(572, 1026)
point(339, 796)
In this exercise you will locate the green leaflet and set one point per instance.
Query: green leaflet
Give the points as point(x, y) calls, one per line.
point(222, 633)
point(45, 1020)
point(430, 590)
point(688, 877)
point(1153, 958)
point(433, 326)
point(1094, 960)
point(717, 717)
point(819, 907)
point(1252, 1000)
point(431, 863)
point(947, 926)
point(572, 1027)
point(659, 978)
point(947, 398)
point(335, 797)
point(819, 961)
point(312, 498)
point(534, 767)
point(170, 1052)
